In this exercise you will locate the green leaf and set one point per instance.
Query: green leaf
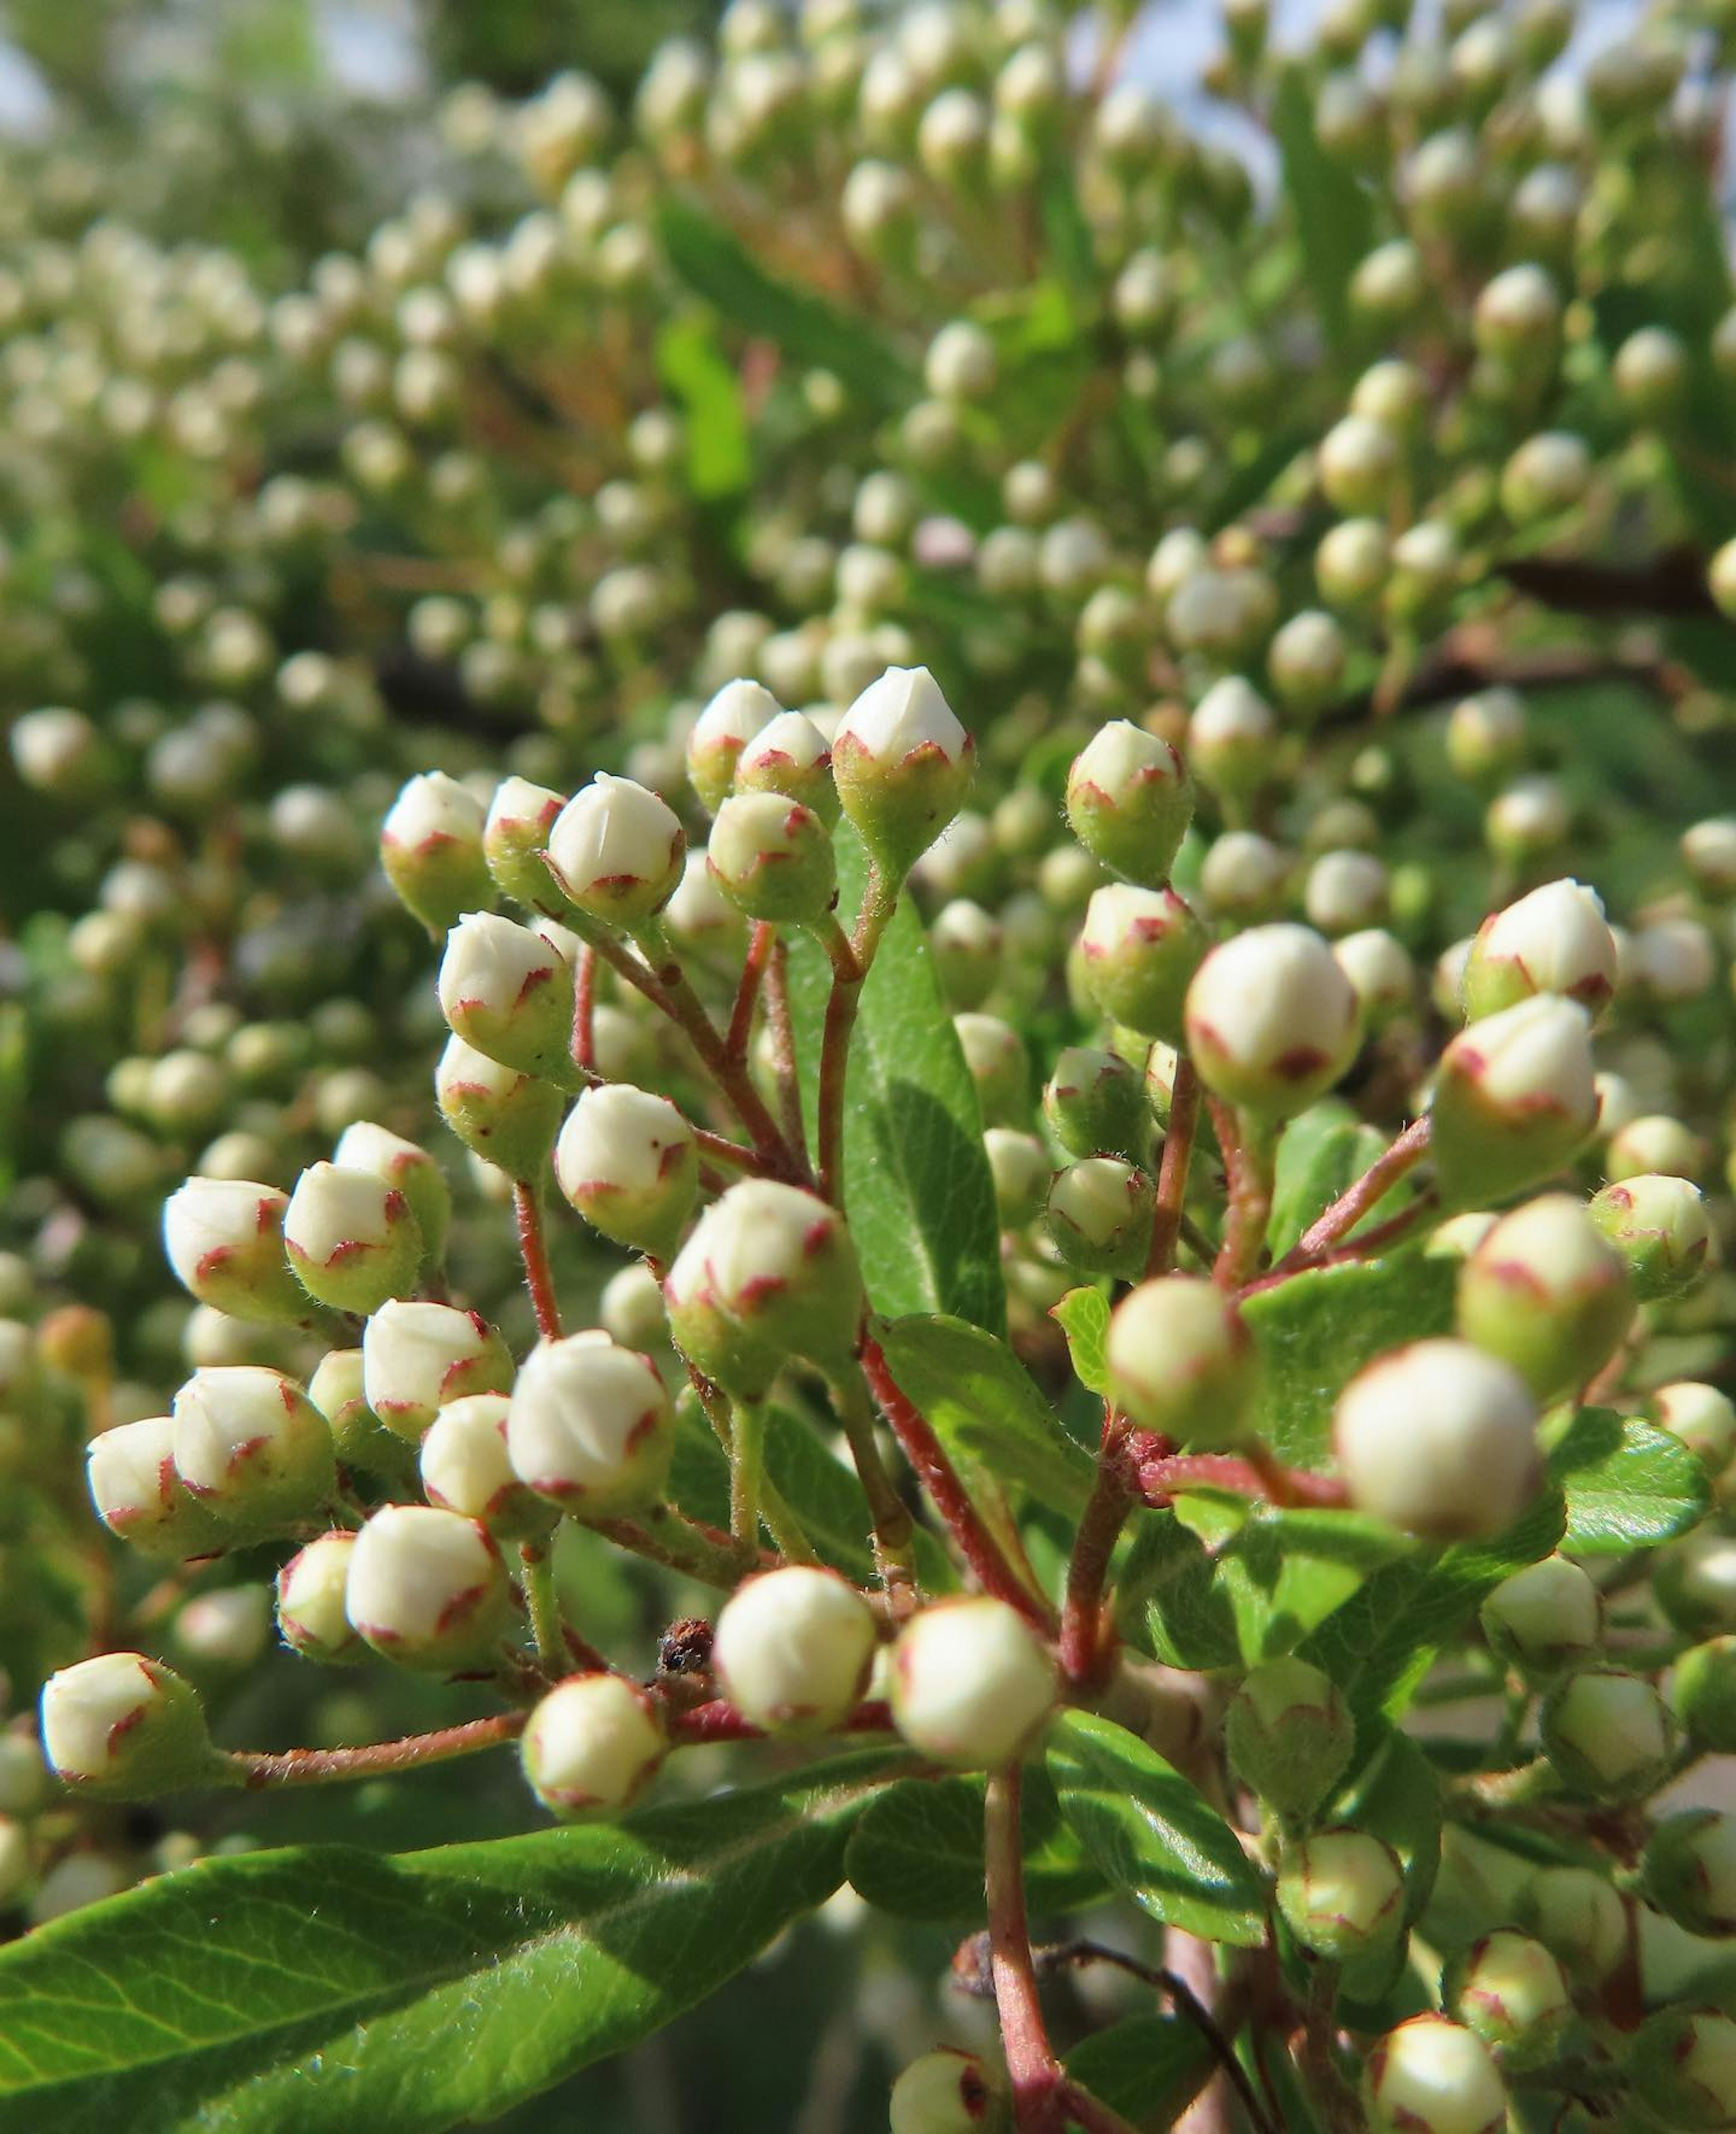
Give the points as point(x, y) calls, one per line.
point(701, 377)
point(917, 1852)
point(1169, 1590)
point(1335, 221)
point(324, 1989)
point(1283, 1572)
point(1627, 1485)
point(1082, 1315)
point(1149, 2068)
point(1317, 1330)
point(986, 1408)
point(917, 1183)
point(1324, 1150)
point(715, 264)
point(1154, 1833)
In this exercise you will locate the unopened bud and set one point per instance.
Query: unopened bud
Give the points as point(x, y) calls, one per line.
point(628, 1162)
point(1430, 2076)
point(1094, 1105)
point(1098, 1215)
point(1545, 1617)
point(363, 1146)
point(1129, 802)
point(1140, 949)
point(312, 1617)
point(1654, 1141)
point(1439, 1440)
point(1609, 1735)
point(515, 836)
point(998, 1065)
point(947, 2092)
point(430, 846)
point(1231, 737)
point(1513, 1099)
point(970, 1684)
point(1290, 1735)
point(902, 764)
point(1579, 1918)
point(1681, 2065)
point(592, 1746)
point(590, 1427)
point(1555, 940)
point(225, 1239)
point(123, 1726)
point(466, 1467)
point(351, 1238)
point(139, 1496)
point(506, 1116)
point(1703, 1695)
point(1486, 738)
point(1510, 1991)
point(790, 755)
point(1019, 1168)
point(427, 1587)
point(1271, 1021)
point(772, 858)
point(1341, 1893)
point(1181, 1361)
point(509, 994)
point(417, 1356)
point(1694, 1581)
point(252, 1448)
point(1358, 462)
point(1702, 1416)
point(793, 1649)
point(735, 714)
point(1688, 1870)
point(1548, 1293)
point(1380, 973)
point(1661, 1227)
point(616, 850)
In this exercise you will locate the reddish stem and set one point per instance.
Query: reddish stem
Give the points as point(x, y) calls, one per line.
point(1172, 1174)
point(721, 1150)
point(1087, 1641)
point(1162, 1474)
point(534, 1250)
point(759, 946)
point(1353, 1204)
point(1031, 2065)
point(781, 1025)
point(315, 1767)
point(1248, 1175)
point(719, 1721)
point(847, 974)
point(584, 1011)
point(1368, 1245)
point(950, 1498)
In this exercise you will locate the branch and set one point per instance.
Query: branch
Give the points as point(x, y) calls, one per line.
point(534, 1250)
point(322, 1767)
point(1172, 1175)
point(1031, 2065)
point(1087, 1639)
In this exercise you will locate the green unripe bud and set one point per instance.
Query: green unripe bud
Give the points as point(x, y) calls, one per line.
point(1020, 1169)
point(1688, 1870)
point(311, 1620)
point(508, 991)
point(1352, 562)
point(1433, 2077)
point(1425, 573)
point(1140, 949)
point(1358, 462)
point(430, 846)
point(1306, 662)
point(1094, 1105)
point(426, 1588)
point(772, 858)
point(1660, 1227)
point(1655, 1143)
point(514, 837)
point(1651, 372)
point(1681, 2065)
point(1290, 1735)
point(1547, 474)
point(1341, 1893)
point(1486, 737)
point(252, 1448)
point(902, 764)
point(123, 1727)
point(1514, 1098)
point(1271, 1019)
point(593, 1744)
point(1548, 1616)
point(1694, 1581)
point(1439, 1440)
point(1553, 940)
point(1518, 316)
point(1230, 739)
point(1703, 1695)
point(351, 1238)
point(946, 2091)
point(789, 755)
point(1546, 1293)
point(1129, 802)
point(1181, 1361)
point(1703, 1417)
point(508, 1117)
point(1578, 1918)
point(1098, 1215)
point(1509, 1991)
point(1609, 1735)
point(363, 1146)
point(994, 1054)
point(966, 944)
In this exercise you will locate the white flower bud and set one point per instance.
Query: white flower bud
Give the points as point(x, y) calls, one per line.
point(224, 1238)
point(1555, 940)
point(1341, 1893)
point(1514, 1097)
point(1129, 801)
point(1510, 1991)
point(1230, 738)
point(628, 1162)
point(1432, 2077)
point(1674, 960)
point(1244, 876)
point(466, 1467)
point(1659, 1226)
point(794, 1649)
point(1609, 1735)
point(427, 1587)
point(1181, 1361)
point(616, 850)
point(592, 1746)
point(946, 2091)
point(721, 731)
point(138, 1496)
point(971, 1683)
point(506, 1116)
point(789, 755)
point(252, 1448)
point(417, 1356)
point(1271, 1019)
point(772, 858)
point(1380, 973)
point(590, 1427)
point(1546, 1293)
point(1439, 1440)
point(363, 1146)
point(902, 764)
point(124, 1726)
point(506, 991)
point(515, 836)
point(1345, 891)
point(1546, 1616)
point(1709, 853)
point(351, 1238)
point(1702, 1416)
point(631, 1308)
point(1139, 951)
point(430, 846)
point(311, 1616)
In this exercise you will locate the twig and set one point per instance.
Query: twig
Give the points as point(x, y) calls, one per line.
point(319, 1767)
point(1406, 1152)
point(1172, 1174)
point(1031, 2065)
point(584, 1011)
point(543, 1604)
point(1248, 1152)
point(534, 1250)
point(1088, 1644)
point(759, 946)
point(780, 1024)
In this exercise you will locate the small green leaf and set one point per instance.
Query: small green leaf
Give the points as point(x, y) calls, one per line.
point(917, 1853)
point(1324, 1150)
point(1082, 1315)
point(698, 373)
point(1284, 1572)
point(1317, 1330)
point(1155, 1833)
point(1627, 1485)
point(325, 1989)
point(1169, 1591)
point(1149, 2068)
point(1334, 218)
point(917, 1183)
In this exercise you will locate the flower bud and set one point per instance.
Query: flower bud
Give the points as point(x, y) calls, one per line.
point(1352, 562)
point(1306, 662)
point(515, 836)
point(1681, 2065)
point(970, 1684)
point(1231, 737)
point(123, 1727)
point(351, 1238)
point(507, 1117)
point(1098, 1216)
point(1129, 802)
point(1486, 737)
point(430, 846)
point(1346, 891)
point(947, 2092)
point(508, 994)
point(1380, 973)
point(466, 1467)
point(407, 1168)
point(592, 1746)
point(1433, 2077)
point(140, 1497)
point(1555, 940)
point(789, 755)
point(417, 1356)
point(1545, 1617)
point(1547, 474)
point(1514, 1098)
point(1439, 1440)
point(1271, 1021)
point(1140, 949)
point(590, 1427)
point(902, 764)
point(1509, 1991)
point(769, 1272)
point(1289, 1735)
point(1180, 1361)
point(1341, 1893)
point(628, 1162)
point(1654, 1141)
point(1703, 1695)
point(1358, 461)
point(1703, 1417)
point(1548, 1293)
point(1694, 1581)
point(1609, 1735)
point(994, 1054)
point(224, 1238)
point(1709, 853)
point(1659, 1226)
point(312, 1618)
point(794, 1649)
point(252, 1448)
point(966, 944)
point(616, 850)
point(426, 1588)
point(1094, 1105)
point(1526, 819)
point(1688, 1870)
point(722, 730)
point(1020, 1171)
point(1244, 876)
point(772, 858)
